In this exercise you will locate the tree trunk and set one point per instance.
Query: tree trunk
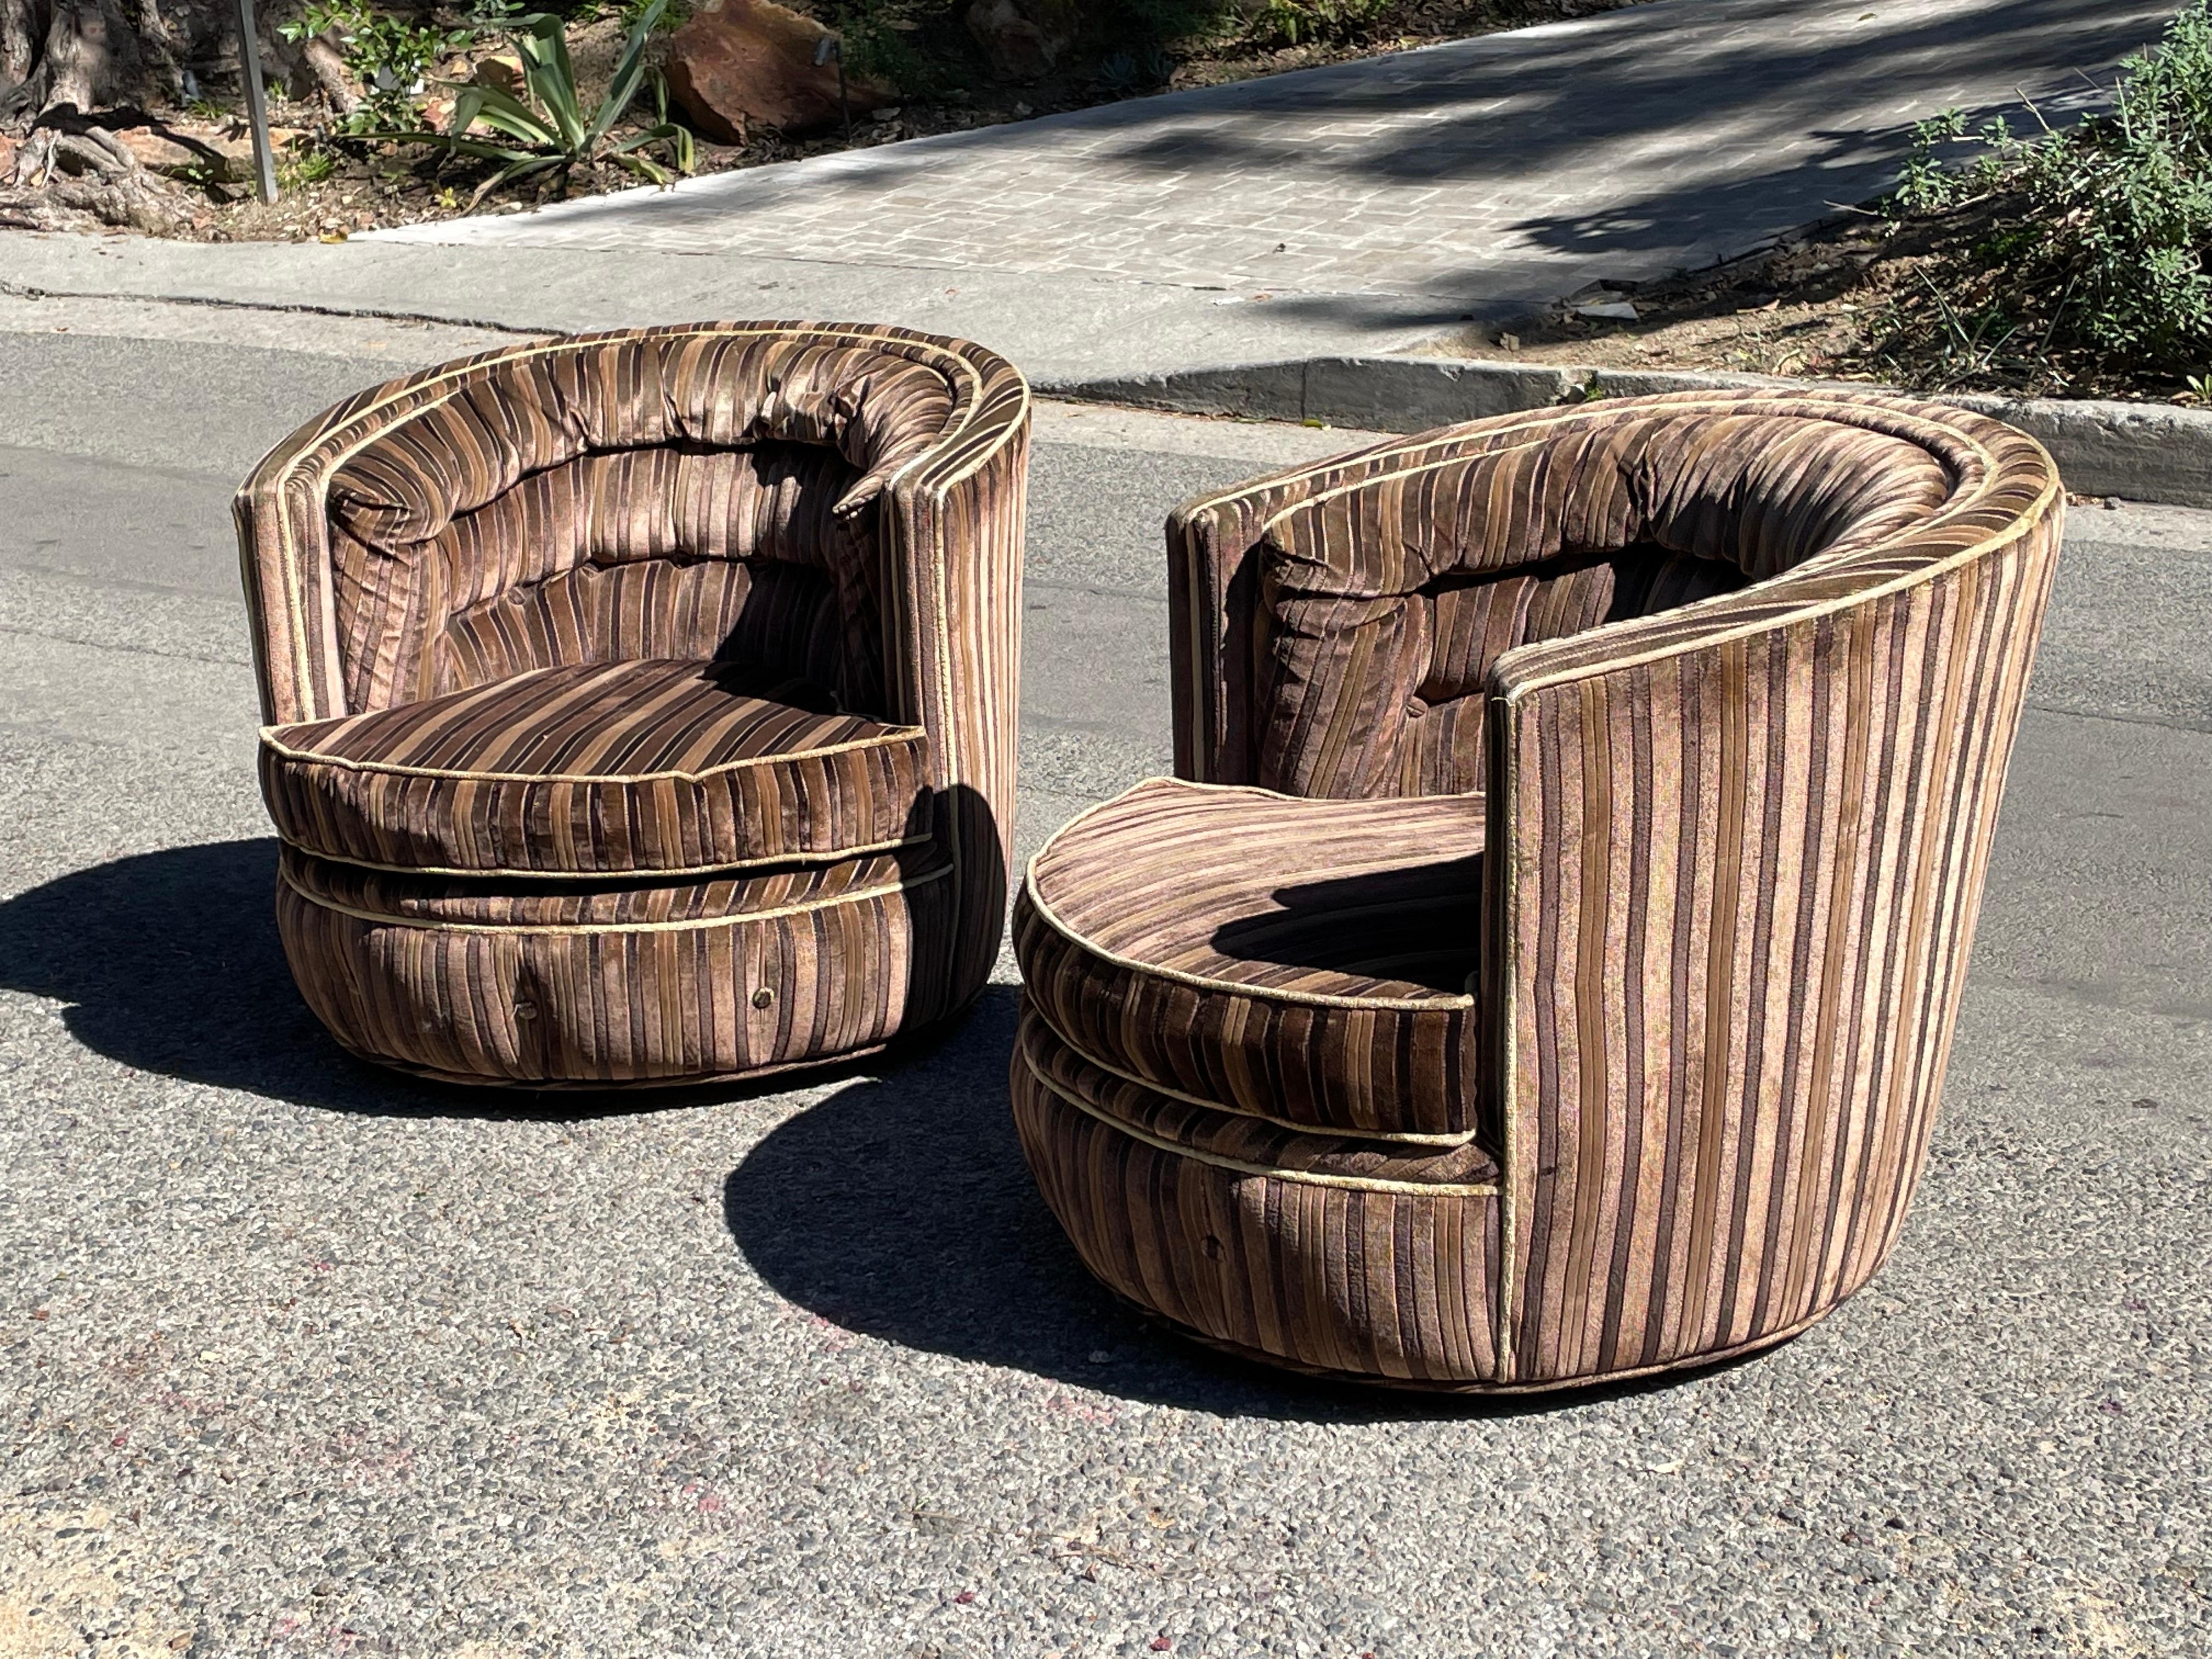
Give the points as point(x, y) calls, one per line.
point(83, 55)
point(64, 62)
point(20, 37)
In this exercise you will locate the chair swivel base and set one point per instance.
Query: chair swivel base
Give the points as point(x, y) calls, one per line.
point(516, 985)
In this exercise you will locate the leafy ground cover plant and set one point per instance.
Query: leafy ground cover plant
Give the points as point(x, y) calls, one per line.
point(391, 56)
point(2091, 239)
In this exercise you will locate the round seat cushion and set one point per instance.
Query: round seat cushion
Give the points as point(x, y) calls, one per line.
point(669, 767)
point(1313, 963)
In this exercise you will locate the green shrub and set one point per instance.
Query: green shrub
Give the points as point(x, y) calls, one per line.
point(1168, 20)
point(302, 165)
point(672, 16)
point(389, 55)
point(1262, 22)
point(873, 48)
point(2107, 250)
point(1298, 23)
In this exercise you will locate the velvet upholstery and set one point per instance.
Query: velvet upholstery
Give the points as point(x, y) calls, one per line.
point(641, 706)
point(1676, 729)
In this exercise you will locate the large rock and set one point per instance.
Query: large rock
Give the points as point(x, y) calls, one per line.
point(1022, 38)
point(738, 64)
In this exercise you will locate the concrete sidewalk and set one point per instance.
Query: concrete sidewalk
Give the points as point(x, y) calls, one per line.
point(1359, 208)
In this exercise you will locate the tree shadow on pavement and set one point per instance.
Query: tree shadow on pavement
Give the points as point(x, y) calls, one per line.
point(1676, 145)
point(901, 1208)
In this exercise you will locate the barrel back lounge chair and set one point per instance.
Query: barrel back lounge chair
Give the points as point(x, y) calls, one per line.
point(641, 706)
point(1542, 968)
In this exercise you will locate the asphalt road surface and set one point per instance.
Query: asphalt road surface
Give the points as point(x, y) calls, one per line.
point(299, 1357)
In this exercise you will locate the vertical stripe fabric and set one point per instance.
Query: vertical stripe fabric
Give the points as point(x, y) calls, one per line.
point(1735, 831)
point(682, 616)
point(1326, 1254)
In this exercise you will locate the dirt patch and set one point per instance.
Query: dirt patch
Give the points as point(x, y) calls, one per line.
point(1859, 297)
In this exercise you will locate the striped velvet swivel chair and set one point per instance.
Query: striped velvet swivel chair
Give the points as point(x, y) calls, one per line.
point(641, 706)
point(1542, 968)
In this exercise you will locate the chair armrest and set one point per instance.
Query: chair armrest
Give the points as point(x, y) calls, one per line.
point(954, 524)
point(282, 519)
point(1734, 857)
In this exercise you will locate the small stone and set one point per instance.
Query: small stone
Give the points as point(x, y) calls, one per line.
point(502, 71)
point(1608, 311)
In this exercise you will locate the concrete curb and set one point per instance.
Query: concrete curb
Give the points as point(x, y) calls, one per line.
point(2140, 452)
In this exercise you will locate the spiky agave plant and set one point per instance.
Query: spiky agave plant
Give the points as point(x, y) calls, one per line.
point(547, 129)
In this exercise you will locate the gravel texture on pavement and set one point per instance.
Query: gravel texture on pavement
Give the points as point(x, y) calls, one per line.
point(298, 1356)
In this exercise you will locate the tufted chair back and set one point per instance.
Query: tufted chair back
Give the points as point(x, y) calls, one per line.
point(687, 495)
point(1385, 602)
point(839, 503)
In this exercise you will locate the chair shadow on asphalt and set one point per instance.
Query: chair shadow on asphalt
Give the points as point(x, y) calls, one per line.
point(169, 963)
point(901, 1208)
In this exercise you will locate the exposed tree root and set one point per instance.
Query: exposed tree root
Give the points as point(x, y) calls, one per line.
point(66, 175)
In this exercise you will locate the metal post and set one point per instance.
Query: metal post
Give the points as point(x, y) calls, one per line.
point(827, 47)
point(257, 106)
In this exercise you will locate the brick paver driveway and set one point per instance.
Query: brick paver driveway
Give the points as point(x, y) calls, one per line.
point(1481, 175)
